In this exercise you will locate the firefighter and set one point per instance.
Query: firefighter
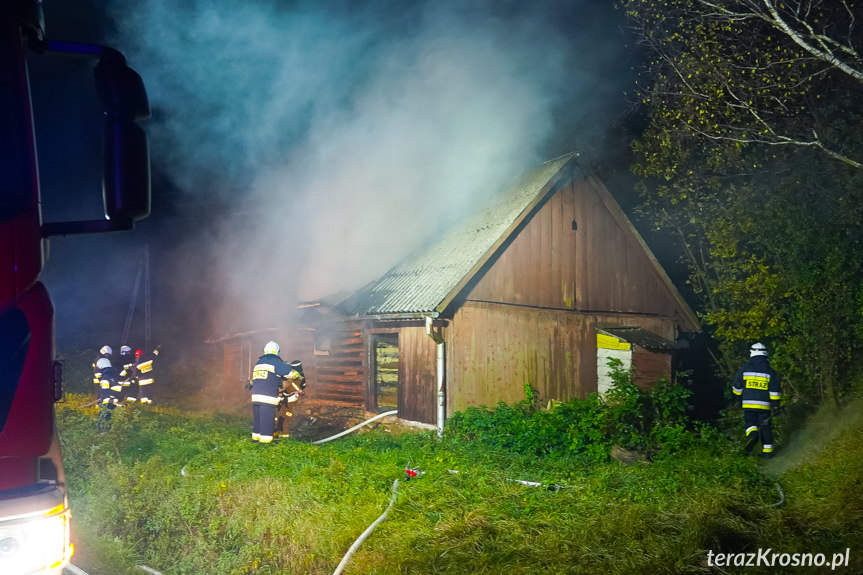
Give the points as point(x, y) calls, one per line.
point(127, 374)
point(104, 351)
point(293, 388)
point(758, 386)
point(144, 369)
point(109, 388)
point(267, 391)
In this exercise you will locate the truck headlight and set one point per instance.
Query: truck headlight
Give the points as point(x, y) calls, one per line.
point(37, 543)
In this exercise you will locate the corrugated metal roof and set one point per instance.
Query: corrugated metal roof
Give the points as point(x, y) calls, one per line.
point(427, 278)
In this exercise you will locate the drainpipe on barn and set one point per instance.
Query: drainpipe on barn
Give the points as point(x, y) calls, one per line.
point(441, 396)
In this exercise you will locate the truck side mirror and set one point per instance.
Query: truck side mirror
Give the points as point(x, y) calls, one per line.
point(126, 154)
point(125, 172)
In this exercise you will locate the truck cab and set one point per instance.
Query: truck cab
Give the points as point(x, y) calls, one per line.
point(34, 510)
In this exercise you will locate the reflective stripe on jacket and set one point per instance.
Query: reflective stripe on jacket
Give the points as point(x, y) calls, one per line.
point(267, 376)
point(758, 384)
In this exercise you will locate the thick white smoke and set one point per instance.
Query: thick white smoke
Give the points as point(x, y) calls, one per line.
point(346, 134)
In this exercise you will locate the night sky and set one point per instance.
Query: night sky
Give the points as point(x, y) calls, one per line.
point(302, 148)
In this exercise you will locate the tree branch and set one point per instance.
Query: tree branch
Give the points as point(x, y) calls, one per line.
point(826, 56)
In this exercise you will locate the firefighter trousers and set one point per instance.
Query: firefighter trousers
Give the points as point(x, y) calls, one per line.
point(758, 426)
point(264, 422)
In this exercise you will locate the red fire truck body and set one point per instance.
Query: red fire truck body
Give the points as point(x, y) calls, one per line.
point(34, 511)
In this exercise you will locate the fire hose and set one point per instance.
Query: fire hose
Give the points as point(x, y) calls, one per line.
point(412, 472)
point(368, 531)
point(781, 496)
point(354, 428)
point(75, 570)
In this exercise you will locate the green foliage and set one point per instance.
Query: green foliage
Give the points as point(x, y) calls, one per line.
point(751, 159)
point(628, 416)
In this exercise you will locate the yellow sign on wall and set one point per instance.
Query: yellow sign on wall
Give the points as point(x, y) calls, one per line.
point(609, 342)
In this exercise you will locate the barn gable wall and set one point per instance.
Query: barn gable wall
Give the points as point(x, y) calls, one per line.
point(573, 254)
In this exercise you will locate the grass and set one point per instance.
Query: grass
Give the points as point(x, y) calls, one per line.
point(189, 494)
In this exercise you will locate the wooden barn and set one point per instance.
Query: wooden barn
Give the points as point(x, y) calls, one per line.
point(541, 287)
point(238, 352)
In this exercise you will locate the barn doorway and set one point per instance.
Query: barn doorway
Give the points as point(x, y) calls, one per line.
point(385, 371)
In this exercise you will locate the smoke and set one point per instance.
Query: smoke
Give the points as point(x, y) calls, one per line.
point(806, 443)
point(343, 135)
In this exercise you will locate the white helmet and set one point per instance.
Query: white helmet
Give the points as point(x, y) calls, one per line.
point(271, 348)
point(758, 349)
point(124, 349)
point(106, 350)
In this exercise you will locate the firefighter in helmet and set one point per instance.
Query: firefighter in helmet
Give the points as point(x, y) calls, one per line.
point(267, 388)
point(144, 368)
point(109, 387)
point(758, 386)
point(127, 372)
point(292, 389)
point(104, 351)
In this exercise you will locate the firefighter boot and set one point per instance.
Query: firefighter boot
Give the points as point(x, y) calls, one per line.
point(751, 439)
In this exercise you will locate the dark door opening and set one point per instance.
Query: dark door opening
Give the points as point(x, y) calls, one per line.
point(385, 374)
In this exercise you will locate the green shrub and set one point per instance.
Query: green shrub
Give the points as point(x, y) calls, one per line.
point(627, 416)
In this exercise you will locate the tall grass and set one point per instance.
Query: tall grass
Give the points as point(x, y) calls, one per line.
point(190, 494)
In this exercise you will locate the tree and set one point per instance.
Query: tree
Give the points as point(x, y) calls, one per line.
point(757, 71)
point(751, 157)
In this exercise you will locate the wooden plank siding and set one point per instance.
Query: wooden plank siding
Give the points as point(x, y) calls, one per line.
point(417, 375)
point(341, 376)
point(597, 267)
point(651, 290)
point(616, 273)
point(650, 367)
point(538, 267)
point(494, 350)
point(531, 316)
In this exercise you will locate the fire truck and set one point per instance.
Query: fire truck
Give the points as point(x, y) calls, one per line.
point(34, 510)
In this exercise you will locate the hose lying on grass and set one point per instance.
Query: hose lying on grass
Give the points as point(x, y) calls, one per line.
point(368, 531)
point(549, 486)
point(781, 496)
point(354, 428)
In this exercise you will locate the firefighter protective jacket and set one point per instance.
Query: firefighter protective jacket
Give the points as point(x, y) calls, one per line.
point(757, 384)
point(127, 362)
point(267, 377)
point(108, 381)
point(97, 371)
point(144, 368)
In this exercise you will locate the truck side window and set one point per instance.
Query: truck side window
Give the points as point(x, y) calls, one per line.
point(14, 341)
